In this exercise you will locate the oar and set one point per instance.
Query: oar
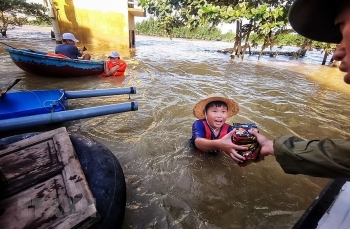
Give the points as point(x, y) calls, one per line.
point(30, 50)
point(7, 87)
point(7, 45)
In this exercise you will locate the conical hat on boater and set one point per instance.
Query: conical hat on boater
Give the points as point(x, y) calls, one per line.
point(232, 106)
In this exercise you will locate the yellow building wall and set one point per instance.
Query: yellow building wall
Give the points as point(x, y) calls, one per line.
point(95, 22)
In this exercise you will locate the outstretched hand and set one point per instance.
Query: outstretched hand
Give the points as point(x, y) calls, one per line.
point(230, 148)
point(265, 143)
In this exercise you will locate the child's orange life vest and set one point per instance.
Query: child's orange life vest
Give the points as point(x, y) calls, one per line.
point(223, 131)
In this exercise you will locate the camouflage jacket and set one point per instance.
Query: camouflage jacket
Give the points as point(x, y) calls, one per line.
point(328, 158)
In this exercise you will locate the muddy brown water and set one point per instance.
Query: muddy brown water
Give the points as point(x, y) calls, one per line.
point(170, 185)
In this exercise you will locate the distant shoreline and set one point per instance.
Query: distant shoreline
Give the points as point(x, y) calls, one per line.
point(32, 28)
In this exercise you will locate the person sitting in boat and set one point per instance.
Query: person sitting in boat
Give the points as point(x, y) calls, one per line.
point(211, 133)
point(69, 49)
point(115, 66)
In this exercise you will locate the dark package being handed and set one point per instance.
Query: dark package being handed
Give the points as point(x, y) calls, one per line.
point(244, 138)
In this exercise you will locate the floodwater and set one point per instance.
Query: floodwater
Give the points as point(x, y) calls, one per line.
point(170, 185)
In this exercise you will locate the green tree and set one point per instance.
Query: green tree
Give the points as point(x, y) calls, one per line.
point(267, 20)
point(12, 11)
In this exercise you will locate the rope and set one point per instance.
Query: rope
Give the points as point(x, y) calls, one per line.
point(52, 104)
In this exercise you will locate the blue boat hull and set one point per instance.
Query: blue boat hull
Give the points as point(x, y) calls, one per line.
point(39, 63)
point(27, 103)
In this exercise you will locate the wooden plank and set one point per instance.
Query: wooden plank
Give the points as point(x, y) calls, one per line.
point(30, 179)
point(35, 207)
point(26, 165)
point(41, 206)
point(47, 186)
point(89, 214)
point(31, 141)
point(77, 186)
point(22, 161)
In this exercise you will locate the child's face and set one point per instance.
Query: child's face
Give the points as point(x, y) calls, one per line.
point(113, 60)
point(217, 116)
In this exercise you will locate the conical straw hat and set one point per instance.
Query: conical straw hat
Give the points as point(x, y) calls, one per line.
point(232, 106)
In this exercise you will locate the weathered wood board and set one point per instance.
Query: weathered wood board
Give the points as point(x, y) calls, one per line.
point(46, 186)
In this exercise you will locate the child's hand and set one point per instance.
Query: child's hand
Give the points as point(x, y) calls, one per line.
point(230, 148)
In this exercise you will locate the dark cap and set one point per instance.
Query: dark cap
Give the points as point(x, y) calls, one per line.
point(314, 19)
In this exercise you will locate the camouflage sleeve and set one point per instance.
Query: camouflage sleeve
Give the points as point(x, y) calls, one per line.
point(328, 158)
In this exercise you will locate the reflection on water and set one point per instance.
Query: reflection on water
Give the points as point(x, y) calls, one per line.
point(170, 185)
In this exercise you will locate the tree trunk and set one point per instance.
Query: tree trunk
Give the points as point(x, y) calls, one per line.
point(247, 42)
point(307, 44)
point(301, 52)
point(266, 43)
point(239, 47)
point(234, 50)
point(262, 49)
point(325, 57)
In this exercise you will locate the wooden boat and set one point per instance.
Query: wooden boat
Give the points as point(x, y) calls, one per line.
point(40, 107)
point(39, 63)
point(52, 180)
point(331, 208)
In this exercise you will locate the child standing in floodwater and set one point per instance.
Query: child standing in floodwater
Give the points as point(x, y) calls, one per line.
point(211, 133)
